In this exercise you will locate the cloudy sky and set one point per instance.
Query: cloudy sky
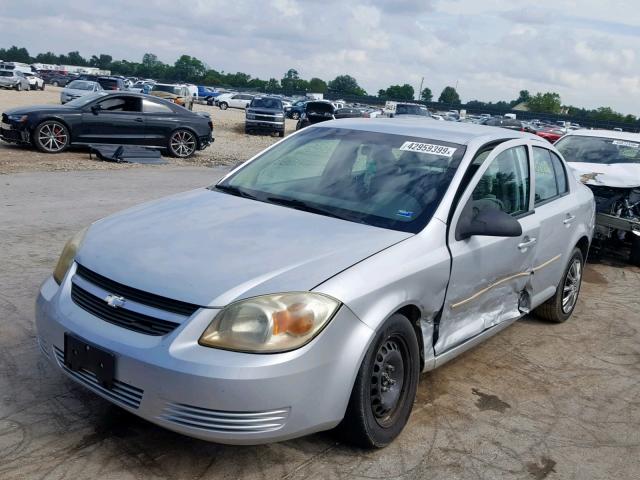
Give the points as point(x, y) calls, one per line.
point(586, 50)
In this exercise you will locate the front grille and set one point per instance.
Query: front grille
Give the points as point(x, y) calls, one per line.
point(223, 421)
point(122, 317)
point(140, 296)
point(121, 393)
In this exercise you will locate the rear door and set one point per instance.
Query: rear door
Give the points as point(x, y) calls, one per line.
point(119, 120)
point(555, 209)
point(490, 276)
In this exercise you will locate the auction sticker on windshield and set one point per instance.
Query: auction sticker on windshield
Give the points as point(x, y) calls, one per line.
point(622, 143)
point(428, 148)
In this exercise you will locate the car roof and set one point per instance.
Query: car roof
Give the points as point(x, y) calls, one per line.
point(606, 134)
point(453, 132)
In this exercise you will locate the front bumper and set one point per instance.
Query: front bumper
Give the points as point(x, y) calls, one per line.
point(15, 133)
point(617, 223)
point(212, 394)
point(264, 125)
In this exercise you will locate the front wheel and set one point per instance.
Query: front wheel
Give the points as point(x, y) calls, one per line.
point(385, 388)
point(223, 105)
point(55, 84)
point(182, 144)
point(19, 86)
point(51, 136)
point(559, 308)
point(295, 115)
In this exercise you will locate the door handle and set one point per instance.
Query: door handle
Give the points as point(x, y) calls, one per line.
point(570, 218)
point(528, 242)
point(138, 119)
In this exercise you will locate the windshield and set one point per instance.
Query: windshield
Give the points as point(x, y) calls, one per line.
point(81, 85)
point(270, 103)
point(388, 181)
point(576, 148)
point(411, 110)
point(167, 88)
point(85, 99)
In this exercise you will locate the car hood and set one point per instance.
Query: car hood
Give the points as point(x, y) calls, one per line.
point(210, 248)
point(37, 109)
point(76, 91)
point(619, 175)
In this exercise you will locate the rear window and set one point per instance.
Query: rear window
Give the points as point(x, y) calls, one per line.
point(80, 85)
point(109, 83)
point(411, 110)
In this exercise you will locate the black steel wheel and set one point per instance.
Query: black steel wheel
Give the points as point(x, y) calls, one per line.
point(182, 143)
point(385, 388)
point(51, 136)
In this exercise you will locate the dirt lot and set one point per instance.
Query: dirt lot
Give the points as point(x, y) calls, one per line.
point(231, 145)
point(537, 401)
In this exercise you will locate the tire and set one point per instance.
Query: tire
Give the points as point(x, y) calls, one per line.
point(634, 256)
point(223, 105)
point(182, 143)
point(19, 86)
point(281, 134)
point(210, 102)
point(42, 87)
point(54, 84)
point(51, 136)
point(553, 309)
point(295, 115)
point(385, 387)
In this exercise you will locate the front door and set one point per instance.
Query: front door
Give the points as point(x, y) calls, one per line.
point(118, 120)
point(491, 276)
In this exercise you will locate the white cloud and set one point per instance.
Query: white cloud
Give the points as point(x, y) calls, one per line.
point(584, 50)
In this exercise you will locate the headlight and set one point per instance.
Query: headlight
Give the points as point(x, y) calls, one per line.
point(68, 255)
point(279, 115)
point(17, 118)
point(270, 323)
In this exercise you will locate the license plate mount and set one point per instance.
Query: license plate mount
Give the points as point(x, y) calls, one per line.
point(81, 355)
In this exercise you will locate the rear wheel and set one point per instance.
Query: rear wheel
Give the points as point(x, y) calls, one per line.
point(281, 134)
point(51, 136)
point(295, 115)
point(182, 143)
point(19, 86)
point(42, 87)
point(385, 388)
point(560, 307)
point(223, 105)
point(55, 84)
point(634, 256)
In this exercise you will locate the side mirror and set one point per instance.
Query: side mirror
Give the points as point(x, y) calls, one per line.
point(491, 222)
point(96, 108)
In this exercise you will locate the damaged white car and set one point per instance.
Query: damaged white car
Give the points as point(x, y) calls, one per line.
point(608, 162)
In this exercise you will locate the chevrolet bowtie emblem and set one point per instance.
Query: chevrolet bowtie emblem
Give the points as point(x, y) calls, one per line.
point(114, 301)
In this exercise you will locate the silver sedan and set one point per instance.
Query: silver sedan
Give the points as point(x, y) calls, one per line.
point(309, 288)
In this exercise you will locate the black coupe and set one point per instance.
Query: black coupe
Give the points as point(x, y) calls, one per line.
point(109, 118)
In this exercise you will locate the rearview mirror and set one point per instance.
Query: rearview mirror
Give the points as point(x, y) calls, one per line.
point(490, 222)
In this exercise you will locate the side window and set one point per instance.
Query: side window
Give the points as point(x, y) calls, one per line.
point(121, 104)
point(149, 106)
point(236, 97)
point(505, 184)
point(561, 174)
point(546, 187)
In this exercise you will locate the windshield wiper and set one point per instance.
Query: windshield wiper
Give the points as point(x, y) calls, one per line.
point(301, 205)
point(234, 191)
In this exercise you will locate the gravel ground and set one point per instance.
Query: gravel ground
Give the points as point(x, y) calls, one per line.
point(537, 401)
point(231, 146)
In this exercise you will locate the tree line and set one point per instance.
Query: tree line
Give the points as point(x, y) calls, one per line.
point(190, 69)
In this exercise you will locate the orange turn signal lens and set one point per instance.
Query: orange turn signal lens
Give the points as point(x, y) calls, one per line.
point(295, 320)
